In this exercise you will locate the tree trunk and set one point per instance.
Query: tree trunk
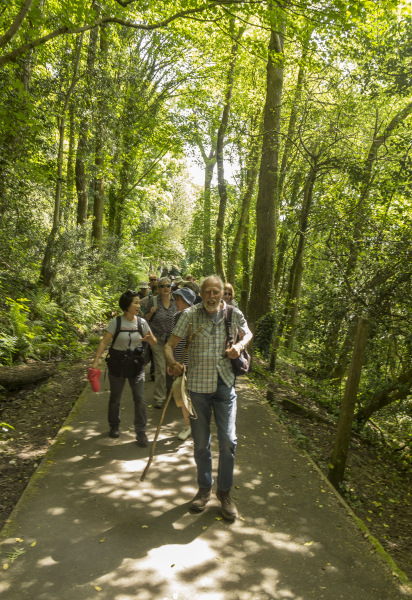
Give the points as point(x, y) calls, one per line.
point(121, 194)
point(221, 183)
point(397, 390)
point(296, 271)
point(280, 258)
point(117, 197)
point(46, 272)
point(297, 280)
point(244, 294)
point(83, 143)
point(98, 183)
point(207, 212)
point(339, 369)
point(284, 236)
point(266, 205)
point(112, 218)
point(67, 210)
point(252, 171)
point(344, 429)
point(80, 171)
point(282, 320)
point(294, 112)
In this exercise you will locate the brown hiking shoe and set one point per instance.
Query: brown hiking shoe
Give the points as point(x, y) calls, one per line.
point(202, 497)
point(229, 510)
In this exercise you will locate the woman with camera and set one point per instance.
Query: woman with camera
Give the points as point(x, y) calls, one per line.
point(128, 335)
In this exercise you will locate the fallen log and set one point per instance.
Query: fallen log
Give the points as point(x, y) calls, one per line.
point(18, 376)
point(303, 411)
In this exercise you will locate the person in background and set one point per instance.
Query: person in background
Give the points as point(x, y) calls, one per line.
point(178, 282)
point(184, 298)
point(154, 292)
point(229, 295)
point(193, 280)
point(127, 339)
point(144, 289)
point(173, 280)
point(160, 318)
point(152, 280)
point(143, 303)
point(211, 385)
point(192, 286)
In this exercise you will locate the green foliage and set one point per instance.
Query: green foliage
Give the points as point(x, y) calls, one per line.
point(28, 336)
point(154, 97)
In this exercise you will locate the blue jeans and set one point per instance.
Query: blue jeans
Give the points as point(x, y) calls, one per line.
point(116, 388)
point(223, 404)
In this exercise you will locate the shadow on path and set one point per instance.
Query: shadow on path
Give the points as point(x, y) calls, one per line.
point(88, 528)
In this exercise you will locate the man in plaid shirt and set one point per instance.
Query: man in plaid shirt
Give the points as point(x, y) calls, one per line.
point(211, 384)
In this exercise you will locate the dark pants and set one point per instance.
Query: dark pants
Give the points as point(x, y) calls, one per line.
point(152, 364)
point(116, 389)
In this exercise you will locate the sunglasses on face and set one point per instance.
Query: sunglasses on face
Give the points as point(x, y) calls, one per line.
point(153, 279)
point(227, 293)
point(165, 285)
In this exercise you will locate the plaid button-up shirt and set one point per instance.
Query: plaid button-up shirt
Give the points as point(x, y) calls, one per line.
point(207, 358)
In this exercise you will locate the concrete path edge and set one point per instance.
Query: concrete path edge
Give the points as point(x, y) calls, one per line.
point(41, 471)
point(384, 555)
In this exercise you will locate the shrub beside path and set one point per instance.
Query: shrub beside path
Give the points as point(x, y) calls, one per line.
point(87, 528)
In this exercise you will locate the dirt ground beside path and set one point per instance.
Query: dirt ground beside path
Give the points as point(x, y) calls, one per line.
point(379, 493)
point(36, 414)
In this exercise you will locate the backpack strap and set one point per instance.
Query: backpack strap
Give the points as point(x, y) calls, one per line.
point(116, 333)
point(228, 324)
point(155, 301)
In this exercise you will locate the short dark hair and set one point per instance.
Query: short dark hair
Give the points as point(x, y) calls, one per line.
point(126, 299)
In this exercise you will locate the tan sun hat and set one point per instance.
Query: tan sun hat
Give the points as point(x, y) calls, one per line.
point(181, 393)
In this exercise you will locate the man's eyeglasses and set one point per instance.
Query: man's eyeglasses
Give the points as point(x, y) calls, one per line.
point(152, 278)
point(166, 285)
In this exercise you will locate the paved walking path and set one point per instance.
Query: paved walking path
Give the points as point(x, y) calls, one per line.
point(87, 528)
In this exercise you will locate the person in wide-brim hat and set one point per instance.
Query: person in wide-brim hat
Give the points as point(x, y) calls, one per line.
point(144, 289)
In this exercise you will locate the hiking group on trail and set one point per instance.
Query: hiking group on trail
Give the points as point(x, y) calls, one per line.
point(163, 323)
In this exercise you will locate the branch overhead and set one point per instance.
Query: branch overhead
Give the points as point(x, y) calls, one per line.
point(65, 30)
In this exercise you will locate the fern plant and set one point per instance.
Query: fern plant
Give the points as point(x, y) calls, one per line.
point(27, 335)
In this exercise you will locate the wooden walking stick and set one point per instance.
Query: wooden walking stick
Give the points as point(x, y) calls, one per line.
point(189, 338)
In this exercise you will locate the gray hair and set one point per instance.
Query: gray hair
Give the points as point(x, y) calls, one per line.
point(164, 280)
point(209, 278)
